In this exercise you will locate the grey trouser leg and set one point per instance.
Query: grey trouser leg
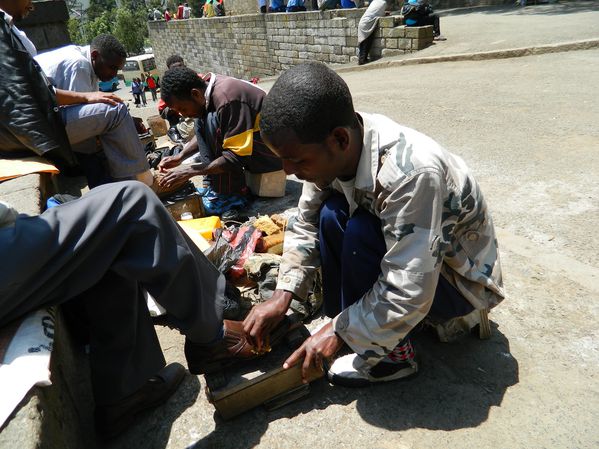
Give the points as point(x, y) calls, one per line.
point(114, 240)
point(115, 129)
point(124, 347)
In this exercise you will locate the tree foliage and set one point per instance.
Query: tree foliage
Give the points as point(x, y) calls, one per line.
point(131, 29)
point(127, 23)
point(99, 7)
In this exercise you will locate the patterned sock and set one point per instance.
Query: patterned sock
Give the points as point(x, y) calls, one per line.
point(401, 353)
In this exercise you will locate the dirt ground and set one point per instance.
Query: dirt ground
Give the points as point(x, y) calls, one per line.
point(532, 141)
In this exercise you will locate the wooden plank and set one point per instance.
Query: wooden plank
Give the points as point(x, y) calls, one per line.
point(256, 382)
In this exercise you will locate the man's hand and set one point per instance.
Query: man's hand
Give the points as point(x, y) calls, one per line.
point(169, 162)
point(103, 97)
point(177, 176)
point(264, 317)
point(323, 345)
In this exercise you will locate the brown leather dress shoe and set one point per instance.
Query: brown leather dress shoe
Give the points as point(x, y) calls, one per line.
point(232, 348)
point(112, 420)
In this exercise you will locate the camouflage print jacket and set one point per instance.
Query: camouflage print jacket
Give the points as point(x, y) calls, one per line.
point(434, 220)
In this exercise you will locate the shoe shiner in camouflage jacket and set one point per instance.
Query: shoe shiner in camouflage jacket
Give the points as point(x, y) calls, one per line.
point(398, 225)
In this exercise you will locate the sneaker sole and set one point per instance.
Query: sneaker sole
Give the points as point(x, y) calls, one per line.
point(355, 382)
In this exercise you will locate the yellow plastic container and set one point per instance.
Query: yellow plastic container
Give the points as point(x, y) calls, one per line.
point(204, 226)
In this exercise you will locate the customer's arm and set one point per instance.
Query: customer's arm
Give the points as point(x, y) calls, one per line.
point(67, 97)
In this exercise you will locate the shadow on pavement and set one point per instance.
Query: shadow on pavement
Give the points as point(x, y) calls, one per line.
point(153, 428)
point(456, 388)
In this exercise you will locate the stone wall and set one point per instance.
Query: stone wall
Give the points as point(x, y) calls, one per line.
point(265, 44)
point(46, 26)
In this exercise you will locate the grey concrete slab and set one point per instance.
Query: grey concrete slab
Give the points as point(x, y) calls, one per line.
point(24, 193)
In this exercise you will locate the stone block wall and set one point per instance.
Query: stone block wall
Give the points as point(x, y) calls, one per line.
point(265, 44)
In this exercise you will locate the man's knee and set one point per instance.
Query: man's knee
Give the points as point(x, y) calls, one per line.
point(128, 192)
point(363, 230)
point(333, 214)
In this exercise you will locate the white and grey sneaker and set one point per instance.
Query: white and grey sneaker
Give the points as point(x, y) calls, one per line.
point(350, 371)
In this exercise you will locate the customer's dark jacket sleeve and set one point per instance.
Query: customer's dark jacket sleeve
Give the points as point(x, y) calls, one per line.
point(29, 115)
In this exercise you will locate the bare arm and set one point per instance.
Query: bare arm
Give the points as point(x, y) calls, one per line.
point(173, 161)
point(187, 171)
point(68, 97)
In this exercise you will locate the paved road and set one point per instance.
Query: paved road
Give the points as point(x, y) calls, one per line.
point(528, 128)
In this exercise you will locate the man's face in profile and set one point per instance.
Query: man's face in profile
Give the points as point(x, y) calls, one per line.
point(106, 67)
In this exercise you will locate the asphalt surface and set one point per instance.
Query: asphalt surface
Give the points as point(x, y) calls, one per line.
point(527, 127)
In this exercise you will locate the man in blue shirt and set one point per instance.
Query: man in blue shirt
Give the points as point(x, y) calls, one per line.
point(419, 13)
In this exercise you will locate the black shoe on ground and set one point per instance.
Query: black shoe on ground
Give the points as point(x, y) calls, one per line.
point(112, 420)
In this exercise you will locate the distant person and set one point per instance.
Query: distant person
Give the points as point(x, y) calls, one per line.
point(136, 91)
point(367, 26)
point(277, 6)
point(295, 6)
point(144, 87)
point(180, 9)
point(157, 14)
point(186, 11)
point(347, 4)
point(419, 13)
point(262, 6)
point(167, 15)
point(151, 82)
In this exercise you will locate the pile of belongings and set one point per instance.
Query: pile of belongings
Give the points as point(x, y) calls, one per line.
point(249, 255)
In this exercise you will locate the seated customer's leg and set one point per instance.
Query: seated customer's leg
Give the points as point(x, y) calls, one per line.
point(94, 168)
point(331, 230)
point(124, 348)
point(119, 227)
point(117, 133)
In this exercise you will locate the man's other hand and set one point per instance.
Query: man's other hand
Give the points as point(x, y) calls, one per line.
point(169, 162)
point(323, 345)
point(264, 317)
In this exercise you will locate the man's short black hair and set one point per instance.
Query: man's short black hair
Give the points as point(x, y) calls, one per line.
point(178, 82)
point(174, 59)
point(108, 46)
point(310, 99)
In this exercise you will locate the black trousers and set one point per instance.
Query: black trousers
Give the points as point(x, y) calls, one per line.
point(101, 251)
point(431, 19)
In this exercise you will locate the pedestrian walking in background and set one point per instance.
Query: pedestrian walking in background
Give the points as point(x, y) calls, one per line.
point(136, 91)
point(152, 86)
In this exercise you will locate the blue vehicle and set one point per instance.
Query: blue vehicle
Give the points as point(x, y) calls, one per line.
point(109, 86)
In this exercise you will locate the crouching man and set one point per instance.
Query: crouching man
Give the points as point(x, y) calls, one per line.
point(398, 224)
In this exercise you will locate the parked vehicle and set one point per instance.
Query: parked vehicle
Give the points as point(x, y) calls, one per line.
point(136, 65)
point(109, 86)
